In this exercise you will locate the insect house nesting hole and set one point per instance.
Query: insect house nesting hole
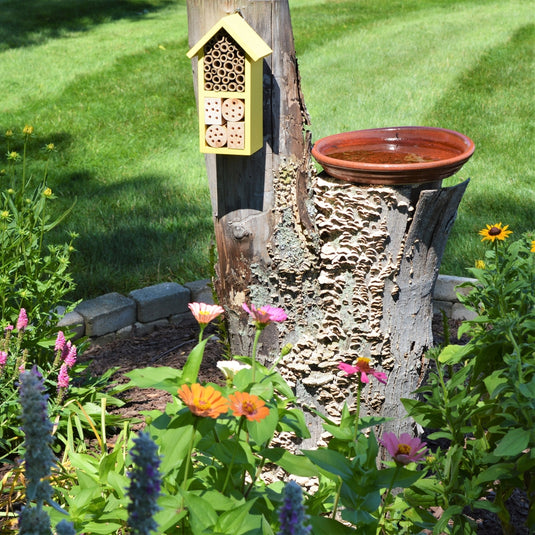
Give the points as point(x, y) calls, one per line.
point(230, 87)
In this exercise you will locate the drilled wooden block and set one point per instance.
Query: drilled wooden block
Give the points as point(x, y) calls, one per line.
point(236, 135)
point(216, 136)
point(212, 111)
point(233, 109)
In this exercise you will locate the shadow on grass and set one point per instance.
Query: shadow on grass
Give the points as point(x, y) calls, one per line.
point(31, 22)
point(500, 134)
point(141, 229)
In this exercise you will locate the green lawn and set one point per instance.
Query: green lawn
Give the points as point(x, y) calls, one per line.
point(109, 83)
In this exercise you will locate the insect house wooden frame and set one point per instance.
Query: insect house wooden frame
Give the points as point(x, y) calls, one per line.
point(230, 87)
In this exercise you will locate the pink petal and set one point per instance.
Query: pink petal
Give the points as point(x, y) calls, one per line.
point(347, 368)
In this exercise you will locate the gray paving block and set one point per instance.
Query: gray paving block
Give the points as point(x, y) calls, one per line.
point(107, 313)
point(200, 291)
point(460, 312)
point(74, 322)
point(160, 301)
point(446, 287)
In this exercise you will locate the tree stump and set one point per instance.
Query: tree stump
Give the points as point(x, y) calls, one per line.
point(353, 266)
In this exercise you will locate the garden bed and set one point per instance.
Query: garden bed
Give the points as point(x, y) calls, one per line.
point(171, 345)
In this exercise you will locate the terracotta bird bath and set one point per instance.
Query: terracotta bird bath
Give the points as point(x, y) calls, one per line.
point(395, 155)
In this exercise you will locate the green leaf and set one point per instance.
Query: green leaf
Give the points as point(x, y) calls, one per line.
point(404, 477)
point(328, 526)
point(496, 472)
point(334, 463)
point(190, 371)
point(453, 354)
point(298, 465)
point(202, 515)
point(174, 447)
point(102, 529)
point(294, 420)
point(231, 522)
point(163, 378)
point(262, 431)
point(513, 443)
point(169, 516)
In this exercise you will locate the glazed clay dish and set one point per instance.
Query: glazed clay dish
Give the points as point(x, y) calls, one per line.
point(394, 155)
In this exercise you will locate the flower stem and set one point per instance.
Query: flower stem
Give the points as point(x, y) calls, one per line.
point(188, 458)
point(231, 465)
point(337, 497)
point(387, 495)
point(357, 412)
point(255, 344)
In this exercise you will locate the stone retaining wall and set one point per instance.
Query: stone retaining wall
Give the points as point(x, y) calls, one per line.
point(114, 316)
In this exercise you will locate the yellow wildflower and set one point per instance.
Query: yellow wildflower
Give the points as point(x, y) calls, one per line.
point(27, 130)
point(4, 214)
point(47, 192)
point(50, 147)
point(480, 264)
point(13, 155)
point(533, 246)
point(495, 232)
point(9, 133)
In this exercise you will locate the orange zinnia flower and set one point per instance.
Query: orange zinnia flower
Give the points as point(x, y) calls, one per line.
point(203, 400)
point(248, 405)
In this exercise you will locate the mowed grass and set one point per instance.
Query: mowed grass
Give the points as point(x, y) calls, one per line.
point(109, 83)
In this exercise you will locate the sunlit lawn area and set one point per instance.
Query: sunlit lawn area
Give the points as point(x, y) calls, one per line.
point(110, 85)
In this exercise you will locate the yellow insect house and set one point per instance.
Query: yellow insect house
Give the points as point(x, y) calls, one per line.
point(230, 87)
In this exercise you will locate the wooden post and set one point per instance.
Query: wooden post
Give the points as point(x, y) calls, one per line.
point(246, 200)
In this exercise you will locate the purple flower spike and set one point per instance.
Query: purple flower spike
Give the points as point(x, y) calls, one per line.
point(292, 515)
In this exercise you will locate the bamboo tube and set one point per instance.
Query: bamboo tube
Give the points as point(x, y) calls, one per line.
point(238, 68)
point(208, 76)
point(215, 53)
point(216, 79)
point(225, 80)
point(217, 64)
point(231, 75)
point(207, 60)
point(208, 86)
point(231, 86)
point(229, 66)
point(240, 78)
point(216, 87)
point(221, 72)
point(240, 88)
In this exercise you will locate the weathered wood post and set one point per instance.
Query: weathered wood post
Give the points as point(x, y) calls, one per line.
point(259, 202)
point(354, 266)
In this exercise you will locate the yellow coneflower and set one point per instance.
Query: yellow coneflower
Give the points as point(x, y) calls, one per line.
point(495, 232)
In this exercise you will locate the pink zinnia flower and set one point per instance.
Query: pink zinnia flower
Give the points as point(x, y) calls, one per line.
point(363, 367)
point(63, 377)
point(3, 358)
point(70, 359)
point(404, 450)
point(60, 341)
point(204, 313)
point(22, 322)
point(265, 315)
